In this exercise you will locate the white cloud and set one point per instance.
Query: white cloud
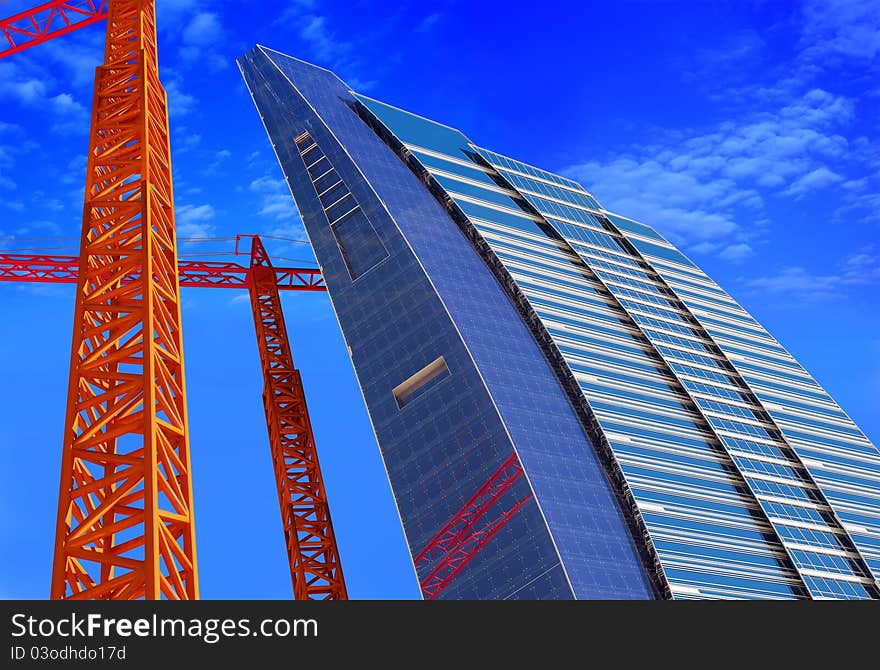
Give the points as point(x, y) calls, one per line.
point(819, 178)
point(63, 103)
point(215, 167)
point(31, 88)
point(275, 199)
point(71, 116)
point(6, 163)
point(651, 191)
point(75, 58)
point(736, 252)
point(185, 139)
point(316, 34)
point(798, 283)
point(695, 186)
point(841, 29)
point(26, 92)
point(204, 29)
point(429, 22)
point(180, 103)
point(194, 220)
point(267, 184)
point(75, 172)
point(321, 44)
point(860, 269)
point(278, 207)
point(202, 34)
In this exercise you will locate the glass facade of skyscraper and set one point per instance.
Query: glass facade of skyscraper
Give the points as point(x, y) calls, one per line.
point(663, 443)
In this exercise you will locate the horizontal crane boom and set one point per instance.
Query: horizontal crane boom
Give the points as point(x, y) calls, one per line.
point(51, 269)
point(48, 21)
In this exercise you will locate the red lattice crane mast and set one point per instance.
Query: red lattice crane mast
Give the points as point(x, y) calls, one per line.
point(125, 527)
point(311, 546)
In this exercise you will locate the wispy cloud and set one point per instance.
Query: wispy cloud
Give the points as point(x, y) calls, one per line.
point(739, 251)
point(75, 58)
point(204, 29)
point(322, 44)
point(325, 46)
point(180, 103)
point(6, 164)
point(841, 30)
point(217, 164)
point(429, 22)
point(788, 136)
point(275, 201)
point(814, 180)
point(202, 38)
point(71, 116)
point(694, 187)
point(35, 88)
point(860, 269)
point(195, 220)
point(295, 9)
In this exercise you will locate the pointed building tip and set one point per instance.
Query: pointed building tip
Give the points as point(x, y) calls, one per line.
point(268, 51)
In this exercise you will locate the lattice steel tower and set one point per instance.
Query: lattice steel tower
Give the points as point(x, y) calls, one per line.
point(125, 515)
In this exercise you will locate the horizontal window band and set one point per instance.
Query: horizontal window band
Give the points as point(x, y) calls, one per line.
point(488, 185)
point(837, 577)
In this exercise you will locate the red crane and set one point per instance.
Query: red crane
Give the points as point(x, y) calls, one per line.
point(48, 21)
point(125, 526)
point(52, 269)
point(308, 532)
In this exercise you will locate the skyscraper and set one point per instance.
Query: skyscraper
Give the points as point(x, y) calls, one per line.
point(566, 406)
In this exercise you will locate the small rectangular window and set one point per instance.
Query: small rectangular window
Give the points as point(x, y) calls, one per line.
point(420, 382)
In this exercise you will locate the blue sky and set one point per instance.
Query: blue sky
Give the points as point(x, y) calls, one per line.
point(744, 130)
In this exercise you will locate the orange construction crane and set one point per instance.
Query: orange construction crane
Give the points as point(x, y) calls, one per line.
point(125, 527)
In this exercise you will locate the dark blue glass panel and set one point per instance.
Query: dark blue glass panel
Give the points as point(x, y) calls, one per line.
point(359, 243)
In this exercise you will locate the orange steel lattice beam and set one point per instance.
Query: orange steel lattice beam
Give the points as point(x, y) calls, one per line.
point(52, 269)
point(308, 532)
point(125, 517)
point(47, 21)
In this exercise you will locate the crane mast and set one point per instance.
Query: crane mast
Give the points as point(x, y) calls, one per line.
point(315, 568)
point(125, 527)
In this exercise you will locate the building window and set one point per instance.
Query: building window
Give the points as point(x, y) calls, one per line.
point(421, 382)
point(355, 236)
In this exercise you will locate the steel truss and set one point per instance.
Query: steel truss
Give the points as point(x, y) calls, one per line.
point(125, 525)
point(48, 21)
point(52, 269)
point(461, 539)
point(315, 567)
